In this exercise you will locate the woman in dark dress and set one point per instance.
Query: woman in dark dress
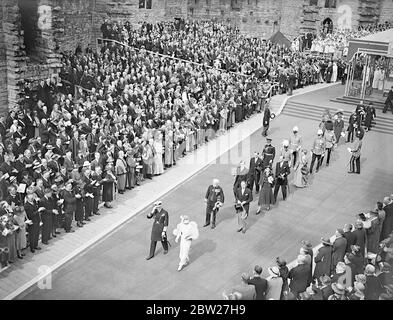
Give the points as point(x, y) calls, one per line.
point(108, 184)
point(79, 204)
point(265, 193)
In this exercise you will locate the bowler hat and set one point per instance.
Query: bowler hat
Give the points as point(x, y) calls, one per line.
point(306, 244)
point(326, 241)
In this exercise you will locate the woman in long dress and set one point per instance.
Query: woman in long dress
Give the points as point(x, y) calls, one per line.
point(108, 187)
point(19, 220)
point(381, 80)
point(265, 193)
point(169, 148)
point(158, 166)
point(301, 171)
point(334, 73)
point(121, 172)
point(187, 231)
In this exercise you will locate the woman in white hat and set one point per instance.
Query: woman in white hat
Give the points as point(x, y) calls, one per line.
point(295, 144)
point(186, 231)
point(274, 284)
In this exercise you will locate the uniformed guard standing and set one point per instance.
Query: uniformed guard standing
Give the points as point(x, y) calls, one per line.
point(214, 200)
point(160, 226)
point(268, 153)
point(355, 156)
point(266, 120)
point(318, 150)
point(295, 144)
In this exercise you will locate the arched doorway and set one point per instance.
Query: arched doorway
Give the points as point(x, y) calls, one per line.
point(327, 26)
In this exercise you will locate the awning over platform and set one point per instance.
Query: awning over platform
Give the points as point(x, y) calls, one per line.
point(380, 43)
point(280, 39)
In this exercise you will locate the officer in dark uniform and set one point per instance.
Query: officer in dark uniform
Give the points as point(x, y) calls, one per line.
point(46, 207)
point(254, 172)
point(96, 183)
point(33, 215)
point(214, 199)
point(88, 194)
point(266, 120)
point(268, 153)
point(160, 226)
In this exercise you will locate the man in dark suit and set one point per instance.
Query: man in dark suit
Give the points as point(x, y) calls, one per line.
point(259, 283)
point(389, 101)
point(350, 236)
point(243, 197)
point(268, 154)
point(266, 120)
point(47, 209)
point(360, 237)
point(282, 172)
point(34, 227)
point(338, 248)
point(160, 226)
point(299, 276)
point(254, 171)
point(214, 199)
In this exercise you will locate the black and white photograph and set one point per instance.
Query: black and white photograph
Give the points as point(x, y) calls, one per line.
point(196, 152)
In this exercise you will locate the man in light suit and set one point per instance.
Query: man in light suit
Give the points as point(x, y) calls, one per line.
point(68, 162)
point(338, 248)
point(243, 196)
point(282, 172)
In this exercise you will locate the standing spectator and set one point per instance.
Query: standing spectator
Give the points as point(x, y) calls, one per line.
point(20, 221)
point(69, 206)
point(388, 222)
point(323, 259)
point(373, 286)
point(349, 235)
point(241, 292)
point(34, 222)
point(260, 284)
point(298, 276)
point(275, 284)
point(360, 237)
point(121, 171)
point(339, 292)
point(108, 185)
point(338, 248)
point(284, 272)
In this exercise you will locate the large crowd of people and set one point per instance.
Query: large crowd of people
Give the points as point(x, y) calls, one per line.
point(217, 45)
point(135, 114)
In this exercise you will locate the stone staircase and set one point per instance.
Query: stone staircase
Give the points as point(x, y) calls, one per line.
point(313, 112)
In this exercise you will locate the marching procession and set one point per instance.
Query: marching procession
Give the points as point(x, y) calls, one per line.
point(119, 117)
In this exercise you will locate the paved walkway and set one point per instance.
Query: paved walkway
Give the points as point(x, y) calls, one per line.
point(23, 274)
point(115, 268)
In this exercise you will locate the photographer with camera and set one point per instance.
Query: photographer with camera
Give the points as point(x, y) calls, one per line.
point(160, 226)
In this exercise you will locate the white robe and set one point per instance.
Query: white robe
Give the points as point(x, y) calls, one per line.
point(189, 230)
point(334, 73)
